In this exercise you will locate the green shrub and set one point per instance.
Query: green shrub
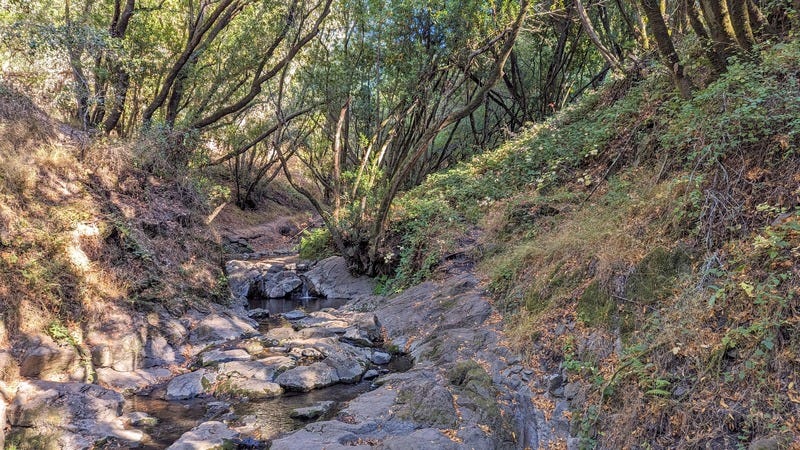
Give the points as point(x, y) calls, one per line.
point(316, 244)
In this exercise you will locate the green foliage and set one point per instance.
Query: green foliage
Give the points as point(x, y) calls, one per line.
point(755, 105)
point(316, 244)
point(61, 334)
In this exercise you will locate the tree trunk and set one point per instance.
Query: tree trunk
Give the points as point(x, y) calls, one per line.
point(661, 34)
point(740, 22)
point(716, 15)
point(595, 38)
point(758, 22)
point(717, 62)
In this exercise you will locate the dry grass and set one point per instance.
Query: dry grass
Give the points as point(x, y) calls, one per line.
point(677, 380)
point(82, 233)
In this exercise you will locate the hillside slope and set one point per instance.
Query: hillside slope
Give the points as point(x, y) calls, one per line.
point(644, 252)
point(82, 240)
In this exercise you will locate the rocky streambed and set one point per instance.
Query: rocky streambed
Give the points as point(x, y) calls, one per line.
point(333, 378)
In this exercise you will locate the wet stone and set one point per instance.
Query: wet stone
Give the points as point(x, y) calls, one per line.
point(294, 315)
point(312, 412)
point(380, 358)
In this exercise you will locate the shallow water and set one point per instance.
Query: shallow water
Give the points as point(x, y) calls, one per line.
point(283, 305)
point(272, 415)
point(270, 418)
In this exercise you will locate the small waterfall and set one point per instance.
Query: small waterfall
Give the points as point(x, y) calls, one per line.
point(304, 293)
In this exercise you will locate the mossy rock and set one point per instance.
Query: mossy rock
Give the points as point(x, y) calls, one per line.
point(472, 380)
point(596, 307)
point(30, 439)
point(655, 276)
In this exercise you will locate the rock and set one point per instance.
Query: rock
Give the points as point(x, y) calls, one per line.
point(571, 390)
point(190, 385)
point(310, 353)
point(9, 369)
point(220, 328)
point(329, 435)
point(284, 284)
point(75, 414)
point(554, 382)
point(380, 358)
point(242, 275)
point(123, 352)
point(312, 412)
point(424, 439)
point(307, 378)
point(45, 359)
point(331, 278)
point(217, 356)
point(132, 381)
point(264, 369)
point(158, 352)
point(205, 436)
point(356, 337)
point(348, 368)
point(767, 443)
point(140, 419)
point(258, 313)
point(294, 315)
point(249, 387)
point(370, 374)
point(252, 346)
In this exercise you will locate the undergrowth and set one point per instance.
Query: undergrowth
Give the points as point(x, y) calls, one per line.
point(647, 245)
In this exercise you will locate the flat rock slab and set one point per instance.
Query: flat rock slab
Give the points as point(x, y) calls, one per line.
point(216, 356)
point(313, 411)
point(75, 415)
point(205, 436)
point(294, 315)
point(264, 369)
point(132, 381)
point(250, 387)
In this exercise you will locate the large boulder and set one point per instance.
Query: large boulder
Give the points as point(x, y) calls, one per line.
point(330, 278)
point(219, 328)
point(190, 385)
point(242, 275)
point(251, 388)
point(263, 369)
point(282, 284)
point(45, 359)
point(205, 436)
point(307, 378)
point(75, 415)
point(123, 353)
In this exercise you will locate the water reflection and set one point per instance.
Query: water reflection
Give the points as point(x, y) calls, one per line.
point(283, 305)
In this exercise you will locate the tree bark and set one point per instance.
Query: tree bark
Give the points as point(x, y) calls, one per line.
point(665, 46)
point(716, 15)
point(740, 22)
point(717, 62)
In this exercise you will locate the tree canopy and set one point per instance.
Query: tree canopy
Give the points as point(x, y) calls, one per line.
point(367, 96)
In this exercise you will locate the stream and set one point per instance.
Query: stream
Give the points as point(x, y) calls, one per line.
point(264, 419)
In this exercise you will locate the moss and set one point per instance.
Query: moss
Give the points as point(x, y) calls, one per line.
point(596, 306)
point(472, 380)
point(654, 277)
point(29, 439)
